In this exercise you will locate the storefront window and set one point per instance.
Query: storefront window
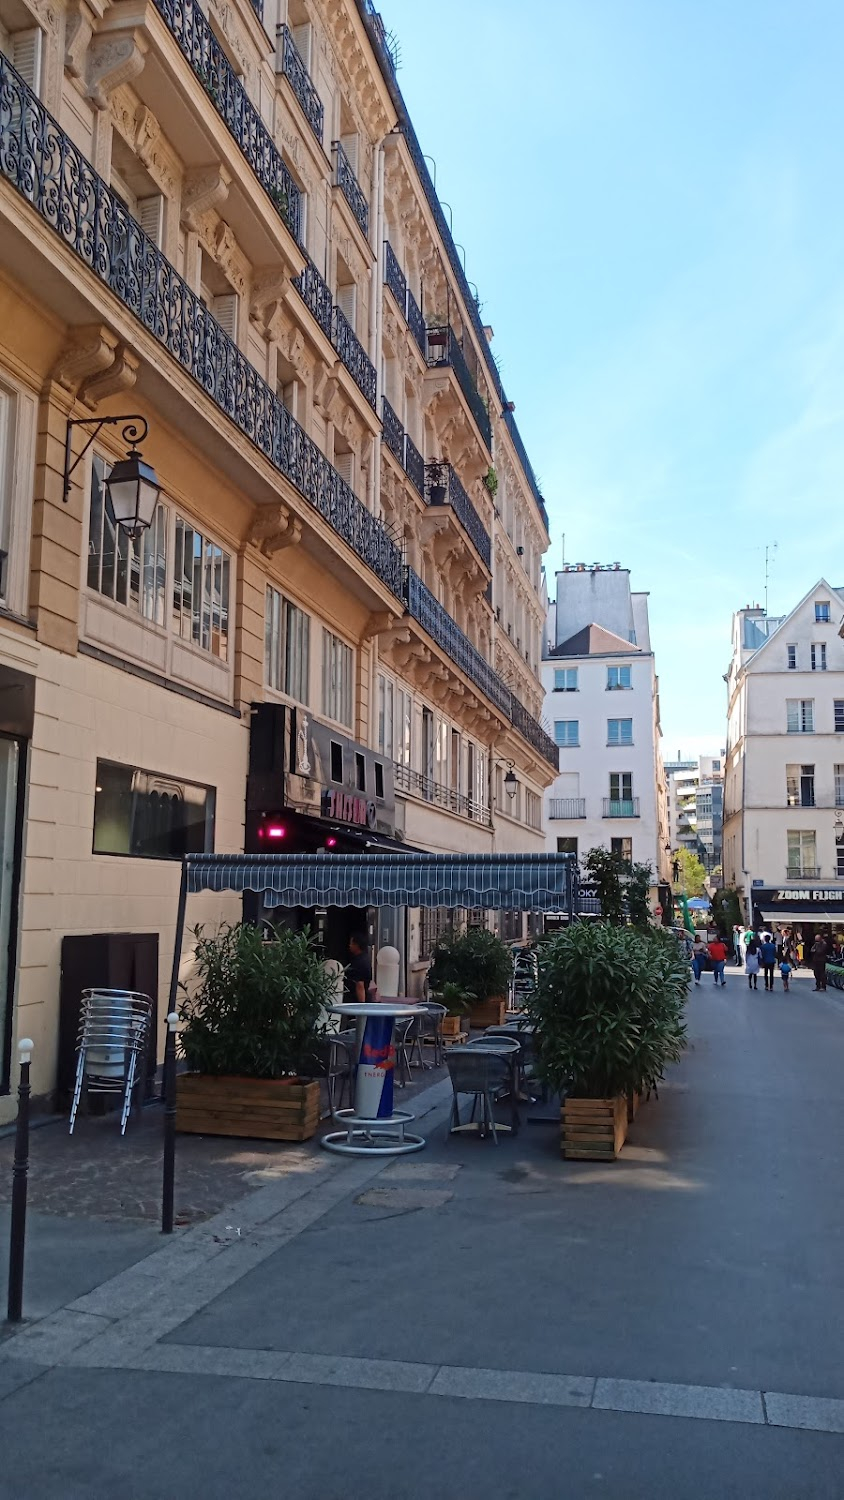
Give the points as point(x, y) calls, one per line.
point(149, 816)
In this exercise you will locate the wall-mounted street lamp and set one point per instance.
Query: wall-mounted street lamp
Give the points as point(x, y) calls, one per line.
point(132, 487)
point(510, 782)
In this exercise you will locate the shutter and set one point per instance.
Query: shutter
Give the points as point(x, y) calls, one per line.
point(150, 216)
point(225, 311)
point(347, 302)
point(344, 464)
point(350, 146)
point(793, 721)
point(26, 56)
point(302, 42)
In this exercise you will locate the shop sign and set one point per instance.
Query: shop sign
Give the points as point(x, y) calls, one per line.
point(344, 807)
point(825, 896)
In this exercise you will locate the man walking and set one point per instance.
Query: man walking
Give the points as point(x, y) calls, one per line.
point(768, 956)
point(817, 958)
point(718, 954)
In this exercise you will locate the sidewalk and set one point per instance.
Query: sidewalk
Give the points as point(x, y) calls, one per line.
point(488, 1322)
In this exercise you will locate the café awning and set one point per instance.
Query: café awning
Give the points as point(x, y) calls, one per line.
point(508, 882)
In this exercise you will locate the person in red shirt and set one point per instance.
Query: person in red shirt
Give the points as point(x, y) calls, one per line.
point(718, 954)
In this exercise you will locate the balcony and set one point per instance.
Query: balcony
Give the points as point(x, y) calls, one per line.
point(423, 607)
point(316, 295)
point(415, 321)
point(444, 352)
point(402, 447)
point(297, 75)
point(442, 487)
point(429, 790)
point(562, 809)
point(626, 807)
point(193, 34)
point(346, 181)
point(802, 872)
point(395, 279)
point(49, 171)
point(353, 355)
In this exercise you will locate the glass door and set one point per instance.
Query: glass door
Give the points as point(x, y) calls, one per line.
point(10, 835)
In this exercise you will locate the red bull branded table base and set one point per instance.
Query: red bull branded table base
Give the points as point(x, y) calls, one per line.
point(373, 1126)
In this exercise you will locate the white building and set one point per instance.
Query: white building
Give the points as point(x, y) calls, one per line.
point(784, 788)
point(602, 702)
point(695, 805)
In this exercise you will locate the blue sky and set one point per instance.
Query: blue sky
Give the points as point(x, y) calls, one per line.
point(650, 197)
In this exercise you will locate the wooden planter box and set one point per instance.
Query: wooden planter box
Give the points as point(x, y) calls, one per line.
point(488, 1012)
point(453, 1025)
point(633, 1102)
point(265, 1109)
point(593, 1129)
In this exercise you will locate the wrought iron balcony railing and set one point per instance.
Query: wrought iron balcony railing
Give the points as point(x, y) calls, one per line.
point(442, 487)
point(563, 809)
point(415, 320)
point(297, 75)
point(353, 355)
point(393, 430)
point(316, 295)
point(624, 807)
point(192, 31)
point(802, 872)
point(436, 620)
point(444, 350)
point(510, 423)
point(349, 186)
point(51, 174)
point(430, 790)
point(394, 276)
point(414, 465)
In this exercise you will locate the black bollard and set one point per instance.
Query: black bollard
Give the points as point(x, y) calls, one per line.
point(169, 1174)
point(20, 1172)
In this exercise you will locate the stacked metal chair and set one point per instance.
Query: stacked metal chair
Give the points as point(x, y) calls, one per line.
point(114, 1027)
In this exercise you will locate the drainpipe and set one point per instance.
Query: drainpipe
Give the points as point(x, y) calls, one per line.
point(376, 326)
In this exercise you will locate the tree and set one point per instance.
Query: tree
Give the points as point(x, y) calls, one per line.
point(726, 911)
point(640, 878)
point(604, 871)
point(692, 873)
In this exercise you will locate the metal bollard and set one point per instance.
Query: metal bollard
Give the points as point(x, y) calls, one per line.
point(169, 1175)
point(20, 1171)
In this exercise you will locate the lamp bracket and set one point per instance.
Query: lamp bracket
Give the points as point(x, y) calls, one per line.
point(135, 429)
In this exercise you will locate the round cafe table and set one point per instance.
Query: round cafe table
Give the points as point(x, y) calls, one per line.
point(372, 1127)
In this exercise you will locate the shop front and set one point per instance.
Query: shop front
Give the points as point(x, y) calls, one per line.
point(312, 790)
point(805, 910)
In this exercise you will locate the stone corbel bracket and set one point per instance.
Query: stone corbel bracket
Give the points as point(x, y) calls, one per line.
point(203, 189)
point(274, 528)
point(95, 364)
point(113, 57)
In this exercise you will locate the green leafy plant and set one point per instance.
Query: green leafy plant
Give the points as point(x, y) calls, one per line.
point(692, 873)
point(491, 481)
point(455, 999)
point(256, 1011)
point(640, 878)
point(608, 1009)
point(604, 870)
point(726, 910)
point(477, 961)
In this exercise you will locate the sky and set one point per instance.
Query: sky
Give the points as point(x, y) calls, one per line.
point(650, 197)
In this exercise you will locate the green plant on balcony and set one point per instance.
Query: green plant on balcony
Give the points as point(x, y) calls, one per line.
point(491, 481)
point(279, 197)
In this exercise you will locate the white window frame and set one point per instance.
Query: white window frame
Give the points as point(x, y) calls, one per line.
point(800, 715)
point(623, 678)
point(822, 612)
point(803, 840)
point(791, 658)
point(567, 743)
point(277, 621)
point(568, 684)
point(818, 656)
point(18, 422)
point(621, 736)
point(338, 679)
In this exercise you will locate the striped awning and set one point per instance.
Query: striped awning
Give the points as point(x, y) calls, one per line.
point(499, 882)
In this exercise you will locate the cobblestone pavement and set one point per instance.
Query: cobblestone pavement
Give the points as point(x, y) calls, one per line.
point(95, 1173)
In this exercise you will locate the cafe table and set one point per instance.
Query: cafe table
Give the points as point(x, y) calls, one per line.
point(372, 1127)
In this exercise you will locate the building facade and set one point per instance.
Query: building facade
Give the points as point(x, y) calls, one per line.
point(220, 237)
point(784, 787)
point(602, 700)
point(695, 791)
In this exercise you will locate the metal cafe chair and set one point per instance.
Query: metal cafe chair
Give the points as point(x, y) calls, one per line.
point(342, 1052)
point(486, 1072)
point(113, 1032)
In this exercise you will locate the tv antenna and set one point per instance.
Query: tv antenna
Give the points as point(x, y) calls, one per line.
point(770, 559)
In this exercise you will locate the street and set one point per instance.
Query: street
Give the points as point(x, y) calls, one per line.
point(482, 1321)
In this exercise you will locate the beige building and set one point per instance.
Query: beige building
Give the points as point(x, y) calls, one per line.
point(219, 223)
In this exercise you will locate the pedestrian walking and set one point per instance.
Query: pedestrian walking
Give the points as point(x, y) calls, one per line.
point(738, 946)
point(751, 964)
point(817, 958)
point(718, 954)
point(768, 957)
point(785, 972)
point(699, 952)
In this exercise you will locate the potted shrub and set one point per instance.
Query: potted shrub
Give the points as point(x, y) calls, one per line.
point(481, 966)
point(251, 1035)
point(608, 1017)
point(456, 1001)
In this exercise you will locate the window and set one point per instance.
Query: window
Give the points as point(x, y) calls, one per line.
point(386, 696)
point(819, 657)
point(801, 715)
point(288, 647)
point(337, 662)
point(621, 786)
point(839, 715)
point(800, 786)
point(619, 677)
point(567, 845)
point(201, 591)
point(822, 613)
point(149, 816)
point(839, 785)
point(26, 48)
point(622, 849)
point(379, 779)
point(360, 772)
point(336, 761)
point(567, 731)
point(533, 809)
point(565, 680)
point(839, 859)
point(802, 854)
point(619, 731)
point(792, 658)
point(434, 922)
point(441, 753)
point(131, 572)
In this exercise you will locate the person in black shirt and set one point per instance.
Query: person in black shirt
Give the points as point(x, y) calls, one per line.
point(357, 980)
